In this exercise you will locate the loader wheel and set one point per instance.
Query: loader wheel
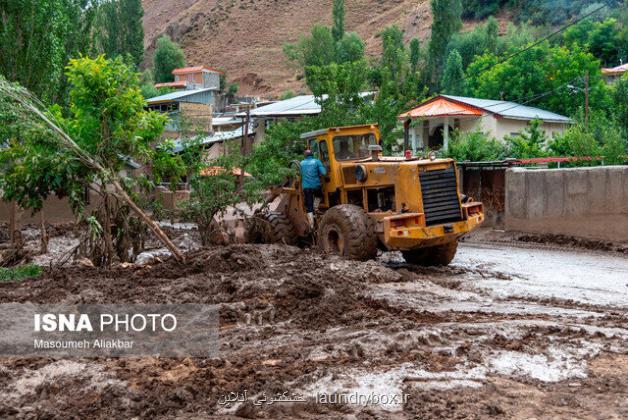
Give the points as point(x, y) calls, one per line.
point(271, 227)
point(346, 230)
point(434, 255)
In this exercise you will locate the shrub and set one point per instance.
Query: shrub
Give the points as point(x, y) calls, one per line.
point(474, 146)
point(531, 143)
point(600, 138)
point(578, 142)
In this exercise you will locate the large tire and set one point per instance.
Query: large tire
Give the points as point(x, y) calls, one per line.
point(272, 227)
point(348, 231)
point(434, 255)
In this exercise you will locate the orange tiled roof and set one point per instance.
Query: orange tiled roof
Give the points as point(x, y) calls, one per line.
point(196, 69)
point(441, 107)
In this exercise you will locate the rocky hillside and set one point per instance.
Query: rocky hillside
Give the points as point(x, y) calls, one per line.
point(245, 37)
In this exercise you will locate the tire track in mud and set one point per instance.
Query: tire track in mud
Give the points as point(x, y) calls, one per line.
point(294, 320)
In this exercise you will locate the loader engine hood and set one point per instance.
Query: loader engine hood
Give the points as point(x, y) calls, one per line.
point(387, 170)
point(423, 186)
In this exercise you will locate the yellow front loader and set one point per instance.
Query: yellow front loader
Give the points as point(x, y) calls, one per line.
point(369, 201)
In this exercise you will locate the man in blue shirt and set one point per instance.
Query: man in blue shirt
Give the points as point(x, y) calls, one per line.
point(311, 171)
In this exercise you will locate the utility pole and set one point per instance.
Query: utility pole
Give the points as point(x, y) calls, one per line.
point(245, 139)
point(586, 99)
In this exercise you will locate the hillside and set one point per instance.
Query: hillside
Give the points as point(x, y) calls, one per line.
point(245, 37)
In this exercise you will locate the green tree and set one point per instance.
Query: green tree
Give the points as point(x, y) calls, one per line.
point(603, 39)
point(531, 143)
point(620, 106)
point(350, 48)
point(479, 9)
point(394, 57)
point(576, 141)
point(337, 86)
point(599, 137)
point(492, 26)
point(37, 38)
point(482, 39)
point(120, 30)
point(338, 30)
point(108, 126)
point(615, 147)
point(516, 38)
point(168, 56)
point(318, 49)
point(415, 54)
point(106, 114)
point(453, 75)
point(131, 14)
point(446, 14)
point(550, 77)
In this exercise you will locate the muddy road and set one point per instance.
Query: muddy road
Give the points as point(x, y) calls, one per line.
point(504, 332)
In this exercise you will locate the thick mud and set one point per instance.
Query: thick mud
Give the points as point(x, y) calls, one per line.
point(419, 342)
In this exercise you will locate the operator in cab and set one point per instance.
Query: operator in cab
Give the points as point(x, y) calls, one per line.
point(312, 170)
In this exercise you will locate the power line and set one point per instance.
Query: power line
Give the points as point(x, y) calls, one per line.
point(534, 44)
point(516, 102)
point(545, 38)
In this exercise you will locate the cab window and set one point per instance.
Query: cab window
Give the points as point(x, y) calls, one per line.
point(323, 153)
point(353, 147)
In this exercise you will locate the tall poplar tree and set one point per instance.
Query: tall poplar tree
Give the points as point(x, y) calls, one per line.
point(37, 39)
point(338, 30)
point(120, 31)
point(415, 54)
point(452, 81)
point(446, 14)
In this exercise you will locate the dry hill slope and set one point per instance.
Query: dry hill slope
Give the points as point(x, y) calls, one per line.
point(245, 37)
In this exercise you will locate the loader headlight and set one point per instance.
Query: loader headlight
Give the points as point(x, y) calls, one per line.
point(361, 173)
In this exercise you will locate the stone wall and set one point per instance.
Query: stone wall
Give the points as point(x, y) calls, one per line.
point(582, 202)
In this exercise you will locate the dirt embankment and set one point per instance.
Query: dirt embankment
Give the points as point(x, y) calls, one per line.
point(246, 37)
point(294, 320)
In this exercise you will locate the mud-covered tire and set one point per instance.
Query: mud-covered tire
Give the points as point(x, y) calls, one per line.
point(348, 231)
point(434, 255)
point(271, 227)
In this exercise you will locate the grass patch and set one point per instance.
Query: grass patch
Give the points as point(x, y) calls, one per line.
point(20, 273)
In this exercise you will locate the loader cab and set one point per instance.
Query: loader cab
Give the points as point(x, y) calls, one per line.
point(341, 144)
point(337, 146)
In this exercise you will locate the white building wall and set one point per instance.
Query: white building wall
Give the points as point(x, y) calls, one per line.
point(488, 123)
point(506, 127)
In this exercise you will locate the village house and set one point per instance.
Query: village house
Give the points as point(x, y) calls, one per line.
point(431, 124)
point(191, 78)
point(191, 107)
point(189, 111)
point(290, 109)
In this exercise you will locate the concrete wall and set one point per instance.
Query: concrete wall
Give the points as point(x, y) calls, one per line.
point(56, 210)
point(584, 202)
